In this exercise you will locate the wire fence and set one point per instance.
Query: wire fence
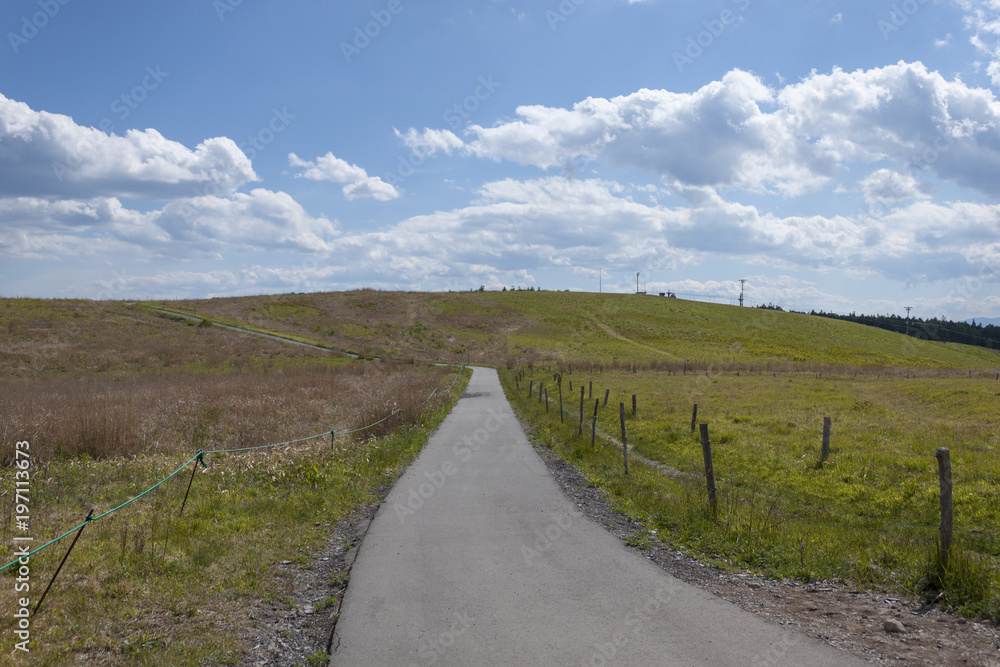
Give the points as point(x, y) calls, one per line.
point(200, 457)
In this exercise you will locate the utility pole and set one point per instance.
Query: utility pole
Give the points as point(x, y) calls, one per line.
point(637, 282)
point(742, 283)
point(908, 309)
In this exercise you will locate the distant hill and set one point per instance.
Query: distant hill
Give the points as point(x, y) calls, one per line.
point(579, 328)
point(985, 321)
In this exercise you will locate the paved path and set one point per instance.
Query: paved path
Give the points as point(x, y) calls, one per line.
point(477, 558)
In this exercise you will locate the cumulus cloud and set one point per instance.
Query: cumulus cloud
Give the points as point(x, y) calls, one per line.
point(887, 186)
point(740, 133)
point(904, 113)
point(48, 155)
point(429, 142)
point(260, 220)
point(358, 183)
point(199, 226)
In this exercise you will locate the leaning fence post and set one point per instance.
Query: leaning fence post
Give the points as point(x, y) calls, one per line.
point(943, 455)
point(199, 458)
point(606, 392)
point(546, 400)
point(38, 606)
point(694, 417)
point(825, 454)
point(706, 449)
point(621, 413)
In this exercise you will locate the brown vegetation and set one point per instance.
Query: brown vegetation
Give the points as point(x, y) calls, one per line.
point(71, 337)
point(183, 413)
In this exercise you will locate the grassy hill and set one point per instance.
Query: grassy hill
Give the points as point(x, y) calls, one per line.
point(609, 329)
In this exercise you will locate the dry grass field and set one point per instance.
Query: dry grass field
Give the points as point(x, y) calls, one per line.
point(113, 399)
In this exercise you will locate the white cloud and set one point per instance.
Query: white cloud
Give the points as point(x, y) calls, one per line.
point(738, 132)
point(429, 142)
point(200, 226)
point(983, 17)
point(260, 220)
point(331, 168)
point(716, 136)
point(49, 155)
point(885, 186)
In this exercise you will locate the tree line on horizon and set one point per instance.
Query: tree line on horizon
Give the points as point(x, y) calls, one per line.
point(933, 329)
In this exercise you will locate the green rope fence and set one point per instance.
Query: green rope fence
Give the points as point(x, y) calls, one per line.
point(200, 457)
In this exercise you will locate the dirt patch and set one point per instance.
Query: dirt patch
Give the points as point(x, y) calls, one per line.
point(880, 627)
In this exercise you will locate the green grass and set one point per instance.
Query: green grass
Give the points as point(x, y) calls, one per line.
point(581, 329)
point(868, 515)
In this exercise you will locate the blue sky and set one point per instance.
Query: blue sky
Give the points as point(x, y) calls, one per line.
point(836, 155)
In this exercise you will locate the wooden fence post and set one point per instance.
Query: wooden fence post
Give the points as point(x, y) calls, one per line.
point(593, 425)
point(694, 417)
point(546, 400)
point(621, 412)
point(561, 419)
point(825, 454)
point(590, 390)
point(606, 392)
point(706, 449)
point(943, 455)
point(633, 405)
point(582, 390)
point(531, 387)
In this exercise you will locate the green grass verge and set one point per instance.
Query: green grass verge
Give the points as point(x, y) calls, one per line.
point(868, 515)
